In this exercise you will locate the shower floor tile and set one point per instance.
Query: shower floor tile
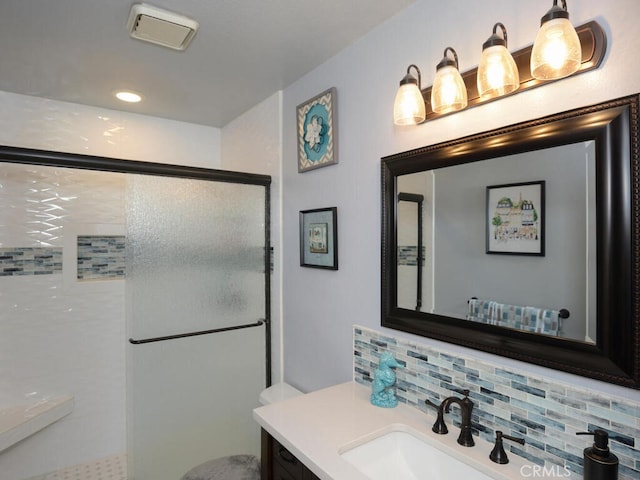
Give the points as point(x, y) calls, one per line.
point(108, 468)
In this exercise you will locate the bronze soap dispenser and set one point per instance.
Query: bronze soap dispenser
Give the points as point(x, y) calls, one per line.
point(599, 462)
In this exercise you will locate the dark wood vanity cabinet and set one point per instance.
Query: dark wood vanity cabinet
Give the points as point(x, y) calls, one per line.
point(278, 463)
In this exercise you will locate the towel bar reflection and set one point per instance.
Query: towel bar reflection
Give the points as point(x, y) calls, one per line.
point(193, 334)
point(562, 313)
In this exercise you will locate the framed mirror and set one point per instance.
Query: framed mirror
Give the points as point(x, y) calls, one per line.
point(528, 242)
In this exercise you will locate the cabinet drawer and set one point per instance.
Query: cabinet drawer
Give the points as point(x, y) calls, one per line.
point(279, 473)
point(309, 475)
point(286, 459)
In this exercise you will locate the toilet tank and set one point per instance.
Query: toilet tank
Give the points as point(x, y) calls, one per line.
point(278, 392)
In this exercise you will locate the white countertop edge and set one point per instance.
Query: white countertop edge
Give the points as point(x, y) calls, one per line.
point(318, 426)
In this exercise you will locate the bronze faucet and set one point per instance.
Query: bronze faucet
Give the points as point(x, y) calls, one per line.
point(466, 407)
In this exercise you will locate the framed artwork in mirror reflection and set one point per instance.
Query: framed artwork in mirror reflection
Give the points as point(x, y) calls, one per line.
point(515, 219)
point(319, 238)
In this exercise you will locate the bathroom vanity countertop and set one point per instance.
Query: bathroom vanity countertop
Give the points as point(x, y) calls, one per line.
point(317, 426)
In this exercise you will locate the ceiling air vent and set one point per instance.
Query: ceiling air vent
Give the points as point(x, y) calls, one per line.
point(161, 27)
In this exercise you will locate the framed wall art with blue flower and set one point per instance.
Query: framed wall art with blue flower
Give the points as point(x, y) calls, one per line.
point(317, 132)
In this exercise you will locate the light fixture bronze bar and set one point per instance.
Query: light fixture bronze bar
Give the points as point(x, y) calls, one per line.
point(594, 46)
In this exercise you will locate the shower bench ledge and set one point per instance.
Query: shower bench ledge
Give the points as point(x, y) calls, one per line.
point(18, 422)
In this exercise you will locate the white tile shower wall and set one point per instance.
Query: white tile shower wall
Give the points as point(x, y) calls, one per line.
point(71, 346)
point(546, 414)
point(53, 343)
point(40, 123)
point(58, 338)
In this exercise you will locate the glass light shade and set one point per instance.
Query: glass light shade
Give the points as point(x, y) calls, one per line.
point(497, 73)
point(449, 92)
point(408, 107)
point(556, 51)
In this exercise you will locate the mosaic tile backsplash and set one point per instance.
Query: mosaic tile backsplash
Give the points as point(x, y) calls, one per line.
point(546, 414)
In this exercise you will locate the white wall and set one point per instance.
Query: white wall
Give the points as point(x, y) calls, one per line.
point(79, 351)
point(321, 306)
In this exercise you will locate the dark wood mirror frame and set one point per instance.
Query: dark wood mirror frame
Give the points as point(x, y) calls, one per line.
point(613, 125)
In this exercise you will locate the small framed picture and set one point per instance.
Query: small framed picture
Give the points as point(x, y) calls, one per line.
point(319, 238)
point(317, 132)
point(515, 219)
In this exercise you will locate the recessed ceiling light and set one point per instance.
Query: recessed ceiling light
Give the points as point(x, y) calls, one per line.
point(127, 96)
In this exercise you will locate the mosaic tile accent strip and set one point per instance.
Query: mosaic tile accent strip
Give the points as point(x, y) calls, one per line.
point(30, 261)
point(271, 259)
point(408, 255)
point(546, 414)
point(101, 257)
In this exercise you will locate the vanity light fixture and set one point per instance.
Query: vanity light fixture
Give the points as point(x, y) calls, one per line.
point(409, 107)
point(128, 96)
point(556, 51)
point(497, 72)
point(471, 90)
point(449, 93)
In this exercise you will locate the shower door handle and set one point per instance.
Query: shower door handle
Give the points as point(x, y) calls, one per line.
point(260, 322)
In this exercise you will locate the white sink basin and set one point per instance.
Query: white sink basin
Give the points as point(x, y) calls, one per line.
point(404, 454)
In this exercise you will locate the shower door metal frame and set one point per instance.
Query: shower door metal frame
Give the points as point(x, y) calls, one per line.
point(28, 156)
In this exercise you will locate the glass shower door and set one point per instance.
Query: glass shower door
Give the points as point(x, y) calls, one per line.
point(195, 262)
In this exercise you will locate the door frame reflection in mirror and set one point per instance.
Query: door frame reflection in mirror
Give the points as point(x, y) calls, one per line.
point(416, 259)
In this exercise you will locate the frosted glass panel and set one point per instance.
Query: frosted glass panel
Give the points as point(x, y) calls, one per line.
point(193, 400)
point(196, 254)
point(195, 261)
